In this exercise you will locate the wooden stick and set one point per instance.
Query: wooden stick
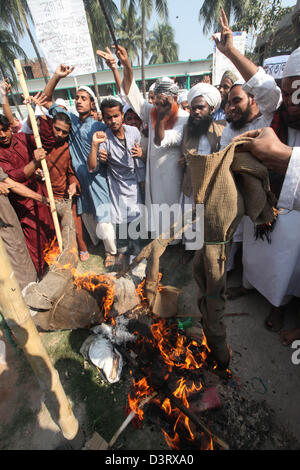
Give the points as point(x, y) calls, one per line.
point(39, 145)
point(129, 418)
point(18, 318)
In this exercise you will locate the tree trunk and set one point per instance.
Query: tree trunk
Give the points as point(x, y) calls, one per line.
point(96, 89)
point(37, 53)
point(143, 48)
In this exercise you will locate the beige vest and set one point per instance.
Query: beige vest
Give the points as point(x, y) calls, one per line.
point(213, 135)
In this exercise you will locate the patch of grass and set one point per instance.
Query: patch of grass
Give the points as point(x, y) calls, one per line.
point(23, 419)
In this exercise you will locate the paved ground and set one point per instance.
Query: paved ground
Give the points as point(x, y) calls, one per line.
point(259, 363)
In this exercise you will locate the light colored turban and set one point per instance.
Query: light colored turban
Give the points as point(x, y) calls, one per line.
point(166, 86)
point(292, 66)
point(210, 93)
point(182, 97)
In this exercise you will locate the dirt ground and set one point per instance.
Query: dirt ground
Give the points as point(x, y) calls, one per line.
point(260, 402)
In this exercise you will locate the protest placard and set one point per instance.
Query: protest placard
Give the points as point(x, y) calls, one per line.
point(63, 34)
point(274, 65)
point(221, 63)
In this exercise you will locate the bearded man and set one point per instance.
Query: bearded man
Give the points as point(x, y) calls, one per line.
point(202, 134)
point(165, 120)
point(271, 268)
point(227, 80)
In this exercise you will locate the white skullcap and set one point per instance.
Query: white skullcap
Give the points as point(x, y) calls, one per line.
point(209, 92)
point(61, 102)
point(152, 87)
point(88, 90)
point(292, 67)
point(182, 96)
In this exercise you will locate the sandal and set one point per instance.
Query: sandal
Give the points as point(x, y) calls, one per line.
point(109, 260)
point(84, 255)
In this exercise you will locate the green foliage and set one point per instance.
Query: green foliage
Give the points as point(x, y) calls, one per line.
point(161, 45)
point(261, 20)
point(129, 33)
point(262, 17)
point(9, 50)
point(211, 10)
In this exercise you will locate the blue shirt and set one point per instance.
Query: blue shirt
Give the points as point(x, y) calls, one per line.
point(94, 188)
point(219, 115)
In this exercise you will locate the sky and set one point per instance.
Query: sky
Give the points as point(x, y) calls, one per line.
point(193, 44)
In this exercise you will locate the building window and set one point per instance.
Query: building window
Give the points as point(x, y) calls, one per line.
point(28, 72)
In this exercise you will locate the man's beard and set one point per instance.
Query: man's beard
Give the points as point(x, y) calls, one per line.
point(199, 127)
point(240, 123)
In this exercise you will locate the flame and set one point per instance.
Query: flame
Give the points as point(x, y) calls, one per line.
point(141, 390)
point(51, 251)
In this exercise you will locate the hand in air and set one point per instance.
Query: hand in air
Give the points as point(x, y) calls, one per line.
point(63, 70)
point(108, 57)
point(225, 43)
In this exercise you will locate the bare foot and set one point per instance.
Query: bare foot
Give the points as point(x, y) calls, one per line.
point(288, 336)
point(274, 320)
point(236, 292)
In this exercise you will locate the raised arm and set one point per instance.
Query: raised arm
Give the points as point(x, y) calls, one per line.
point(61, 71)
point(225, 45)
point(98, 138)
point(5, 88)
point(122, 55)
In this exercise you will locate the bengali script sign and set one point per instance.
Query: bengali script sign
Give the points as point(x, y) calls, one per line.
point(274, 65)
point(221, 63)
point(63, 34)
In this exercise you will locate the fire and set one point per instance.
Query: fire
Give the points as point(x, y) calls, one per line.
point(51, 252)
point(177, 352)
point(141, 390)
point(88, 281)
point(93, 282)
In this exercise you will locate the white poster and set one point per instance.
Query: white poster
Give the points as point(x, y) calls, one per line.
point(274, 65)
point(63, 34)
point(221, 63)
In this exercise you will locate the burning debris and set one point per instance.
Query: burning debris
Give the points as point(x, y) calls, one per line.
point(166, 365)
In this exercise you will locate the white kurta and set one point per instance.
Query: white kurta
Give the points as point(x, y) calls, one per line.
point(163, 172)
point(273, 269)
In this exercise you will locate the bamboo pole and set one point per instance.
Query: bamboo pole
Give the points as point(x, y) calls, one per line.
point(39, 145)
point(17, 316)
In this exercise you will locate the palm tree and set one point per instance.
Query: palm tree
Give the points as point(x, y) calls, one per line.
point(9, 50)
point(16, 14)
point(211, 10)
point(129, 34)
point(162, 45)
point(98, 29)
point(146, 6)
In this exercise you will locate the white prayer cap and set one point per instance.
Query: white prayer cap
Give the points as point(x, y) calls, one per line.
point(165, 86)
point(209, 92)
point(152, 87)
point(182, 96)
point(292, 67)
point(61, 102)
point(88, 90)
